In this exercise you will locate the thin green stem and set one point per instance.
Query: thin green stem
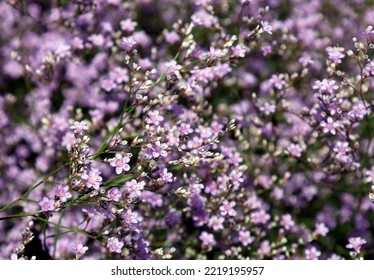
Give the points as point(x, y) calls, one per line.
point(20, 215)
point(57, 232)
point(22, 197)
point(76, 230)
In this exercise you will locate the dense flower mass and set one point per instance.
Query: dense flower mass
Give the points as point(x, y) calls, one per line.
point(215, 129)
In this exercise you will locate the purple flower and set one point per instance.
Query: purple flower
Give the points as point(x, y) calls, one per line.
point(260, 217)
point(159, 149)
point(203, 18)
point(173, 218)
point(215, 54)
point(79, 250)
point(185, 128)
point(335, 54)
point(342, 148)
point(195, 188)
point(358, 112)
point(286, 222)
point(128, 43)
point(312, 253)
point(295, 150)
point(68, 140)
point(266, 27)
point(108, 85)
point(355, 243)
point(268, 108)
point(114, 194)
point(63, 193)
point(238, 50)
point(321, 229)
point(120, 163)
point(166, 177)
point(369, 175)
point(47, 204)
point(134, 188)
point(305, 60)
point(266, 50)
point(92, 178)
point(128, 25)
point(154, 118)
point(114, 245)
point(329, 126)
point(119, 75)
point(278, 81)
point(326, 86)
point(63, 51)
point(130, 219)
point(80, 127)
point(227, 208)
point(97, 40)
point(207, 239)
point(171, 37)
point(245, 237)
point(91, 211)
point(173, 67)
point(216, 223)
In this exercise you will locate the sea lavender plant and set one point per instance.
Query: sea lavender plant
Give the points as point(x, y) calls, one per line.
point(208, 129)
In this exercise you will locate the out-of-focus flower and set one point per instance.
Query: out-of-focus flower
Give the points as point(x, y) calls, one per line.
point(47, 204)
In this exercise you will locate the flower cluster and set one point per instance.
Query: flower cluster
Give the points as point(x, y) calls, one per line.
point(186, 129)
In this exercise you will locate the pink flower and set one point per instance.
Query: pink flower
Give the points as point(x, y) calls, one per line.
point(119, 75)
point(342, 148)
point(128, 25)
point(295, 150)
point(278, 81)
point(286, 222)
point(335, 54)
point(369, 175)
point(239, 50)
point(207, 239)
point(268, 108)
point(260, 217)
point(159, 149)
point(114, 194)
point(92, 178)
point(227, 208)
point(79, 250)
point(173, 67)
point(63, 193)
point(154, 118)
point(108, 85)
point(80, 127)
point(321, 229)
point(330, 126)
point(266, 27)
point(128, 43)
point(355, 243)
point(120, 163)
point(216, 223)
point(134, 188)
point(245, 237)
point(114, 245)
point(47, 204)
point(166, 177)
point(171, 37)
point(185, 128)
point(326, 86)
point(312, 253)
point(358, 112)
